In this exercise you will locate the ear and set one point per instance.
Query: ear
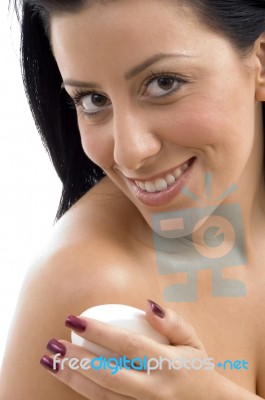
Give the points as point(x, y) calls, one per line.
point(259, 50)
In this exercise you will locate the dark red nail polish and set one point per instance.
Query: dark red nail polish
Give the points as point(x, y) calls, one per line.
point(156, 309)
point(75, 323)
point(47, 362)
point(56, 347)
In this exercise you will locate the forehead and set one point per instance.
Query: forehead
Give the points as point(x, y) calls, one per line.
point(131, 31)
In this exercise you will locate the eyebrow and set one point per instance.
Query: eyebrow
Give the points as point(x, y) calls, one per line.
point(129, 74)
point(150, 61)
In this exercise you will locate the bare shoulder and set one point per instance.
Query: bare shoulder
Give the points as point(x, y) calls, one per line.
point(85, 248)
point(260, 345)
point(81, 266)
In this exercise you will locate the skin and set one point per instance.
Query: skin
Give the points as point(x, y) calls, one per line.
point(216, 117)
point(162, 133)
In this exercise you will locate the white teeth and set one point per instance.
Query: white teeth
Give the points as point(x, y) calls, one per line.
point(141, 185)
point(177, 172)
point(170, 179)
point(185, 167)
point(160, 184)
point(150, 187)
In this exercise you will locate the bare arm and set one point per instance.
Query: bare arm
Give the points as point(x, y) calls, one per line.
point(59, 285)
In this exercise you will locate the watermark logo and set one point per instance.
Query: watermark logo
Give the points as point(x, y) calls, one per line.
point(145, 364)
point(206, 237)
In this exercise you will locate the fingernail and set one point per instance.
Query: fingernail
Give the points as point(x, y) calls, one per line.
point(156, 309)
point(56, 347)
point(47, 362)
point(75, 323)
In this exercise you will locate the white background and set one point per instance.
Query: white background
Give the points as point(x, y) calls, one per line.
point(30, 189)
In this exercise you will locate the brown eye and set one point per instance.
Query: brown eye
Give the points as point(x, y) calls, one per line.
point(93, 103)
point(166, 83)
point(94, 100)
point(98, 100)
point(162, 86)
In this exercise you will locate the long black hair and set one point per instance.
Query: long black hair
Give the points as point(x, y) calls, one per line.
point(241, 21)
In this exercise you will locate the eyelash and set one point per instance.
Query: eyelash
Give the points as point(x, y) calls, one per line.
point(78, 94)
point(156, 75)
point(76, 98)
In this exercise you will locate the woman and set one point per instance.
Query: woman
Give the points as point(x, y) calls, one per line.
point(152, 114)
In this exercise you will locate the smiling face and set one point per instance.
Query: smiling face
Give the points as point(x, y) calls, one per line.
point(161, 100)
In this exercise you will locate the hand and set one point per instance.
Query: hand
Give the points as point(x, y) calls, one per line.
point(173, 381)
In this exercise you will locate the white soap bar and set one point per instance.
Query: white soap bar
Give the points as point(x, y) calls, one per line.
point(120, 315)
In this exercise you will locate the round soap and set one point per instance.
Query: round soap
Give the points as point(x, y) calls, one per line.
point(120, 315)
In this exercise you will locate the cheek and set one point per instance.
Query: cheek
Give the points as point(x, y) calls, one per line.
point(208, 124)
point(191, 128)
point(222, 139)
point(220, 131)
point(97, 145)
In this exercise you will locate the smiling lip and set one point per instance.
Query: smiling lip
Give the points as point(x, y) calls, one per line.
point(162, 197)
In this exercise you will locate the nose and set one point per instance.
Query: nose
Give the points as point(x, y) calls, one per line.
point(135, 142)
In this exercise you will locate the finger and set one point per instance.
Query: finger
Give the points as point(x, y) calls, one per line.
point(116, 375)
point(172, 325)
point(82, 384)
point(120, 341)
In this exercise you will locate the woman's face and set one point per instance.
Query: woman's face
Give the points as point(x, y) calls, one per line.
point(162, 100)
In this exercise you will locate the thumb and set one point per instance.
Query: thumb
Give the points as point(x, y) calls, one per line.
point(173, 326)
